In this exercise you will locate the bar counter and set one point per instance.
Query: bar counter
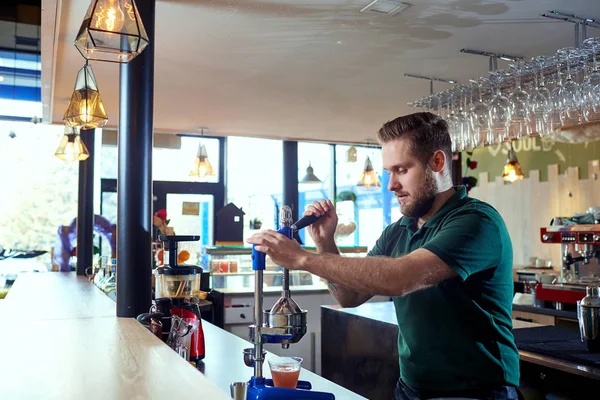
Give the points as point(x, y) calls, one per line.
point(362, 353)
point(61, 339)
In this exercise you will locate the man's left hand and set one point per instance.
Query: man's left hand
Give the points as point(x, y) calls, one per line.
point(283, 251)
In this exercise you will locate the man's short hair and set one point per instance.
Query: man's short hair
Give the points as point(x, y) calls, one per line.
point(426, 133)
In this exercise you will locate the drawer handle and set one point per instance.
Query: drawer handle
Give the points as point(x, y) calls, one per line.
point(243, 316)
point(524, 319)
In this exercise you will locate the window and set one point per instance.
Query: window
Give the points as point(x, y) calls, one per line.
point(175, 164)
point(317, 156)
point(364, 207)
point(39, 191)
point(255, 180)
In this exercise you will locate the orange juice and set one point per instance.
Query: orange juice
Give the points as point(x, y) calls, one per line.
point(285, 377)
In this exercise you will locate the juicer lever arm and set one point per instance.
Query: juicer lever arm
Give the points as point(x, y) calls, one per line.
point(304, 222)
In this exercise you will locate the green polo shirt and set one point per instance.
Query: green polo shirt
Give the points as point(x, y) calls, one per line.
point(457, 335)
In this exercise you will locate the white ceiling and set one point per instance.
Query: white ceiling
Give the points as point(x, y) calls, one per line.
point(306, 70)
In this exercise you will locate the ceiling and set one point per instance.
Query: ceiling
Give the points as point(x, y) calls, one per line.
point(315, 70)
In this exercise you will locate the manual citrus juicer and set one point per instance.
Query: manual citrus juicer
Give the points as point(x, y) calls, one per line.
point(284, 323)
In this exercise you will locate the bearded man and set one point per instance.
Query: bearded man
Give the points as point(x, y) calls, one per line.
point(447, 263)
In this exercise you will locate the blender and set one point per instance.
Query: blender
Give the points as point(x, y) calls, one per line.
point(284, 323)
point(181, 284)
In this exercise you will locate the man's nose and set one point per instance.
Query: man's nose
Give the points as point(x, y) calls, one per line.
point(393, 185)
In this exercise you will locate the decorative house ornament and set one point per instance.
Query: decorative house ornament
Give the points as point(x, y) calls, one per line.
point(111, 31)
point(85, 110)
point(351, 155)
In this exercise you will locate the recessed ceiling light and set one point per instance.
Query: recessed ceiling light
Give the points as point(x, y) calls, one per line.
point(388, 7)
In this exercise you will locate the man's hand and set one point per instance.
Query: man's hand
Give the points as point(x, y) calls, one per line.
point(284, 252)
point(323, 230)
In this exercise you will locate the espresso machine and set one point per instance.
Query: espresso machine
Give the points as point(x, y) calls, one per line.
point(580, 250)
point(284, 323)
point(176, 295)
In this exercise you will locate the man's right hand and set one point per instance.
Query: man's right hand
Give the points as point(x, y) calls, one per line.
point(323, 230)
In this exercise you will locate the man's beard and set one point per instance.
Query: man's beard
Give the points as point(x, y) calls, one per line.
point(422, 199)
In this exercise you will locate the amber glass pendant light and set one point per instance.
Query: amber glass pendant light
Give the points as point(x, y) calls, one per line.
point(202, 167)
point(512, 169)
point(71, 147)
point(368, 178)
point(112, 31)
point(85, 110)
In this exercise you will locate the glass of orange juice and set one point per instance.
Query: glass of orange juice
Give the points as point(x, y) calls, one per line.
point(285, 371)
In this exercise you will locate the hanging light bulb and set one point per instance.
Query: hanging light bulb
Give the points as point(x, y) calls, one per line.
point(71, 147)
point(310, 176)
point(85, 110)
point(112, 31)
point(368, 178)
point(512, 170)
point(202, 167)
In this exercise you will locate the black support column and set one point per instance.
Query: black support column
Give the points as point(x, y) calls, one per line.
point(134, 184)
point(290, 176)
point(85, 206)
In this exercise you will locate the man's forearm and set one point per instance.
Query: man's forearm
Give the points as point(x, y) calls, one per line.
point(380, 275)
point(344, 296)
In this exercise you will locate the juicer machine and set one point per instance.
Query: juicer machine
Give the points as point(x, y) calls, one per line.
point(284, 323)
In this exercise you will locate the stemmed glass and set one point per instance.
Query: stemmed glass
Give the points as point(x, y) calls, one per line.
point(590, 88)
point(499, 111)
point(539, 99)
point(519, 110)
point(570, 96)
point(479, 116)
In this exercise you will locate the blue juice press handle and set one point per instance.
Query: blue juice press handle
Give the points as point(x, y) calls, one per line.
point(258, 259)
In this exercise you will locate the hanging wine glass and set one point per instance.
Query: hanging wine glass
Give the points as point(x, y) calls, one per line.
point(539, 99)
point(464, 123)
point(554, 121)
point(570, 96)
point(518, 125)
point(479, 116)
point(590, 88)
point(452, 121)
point(499, 110)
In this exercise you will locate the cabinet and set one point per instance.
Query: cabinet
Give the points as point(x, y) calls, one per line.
point(533, 317)
point(230, 269)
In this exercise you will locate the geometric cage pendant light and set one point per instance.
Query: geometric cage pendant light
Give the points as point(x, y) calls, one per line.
point(201, 167)
point(512, 170)
point(112, 31)
point(71, 147)
point(85, 110)
point(368, 178)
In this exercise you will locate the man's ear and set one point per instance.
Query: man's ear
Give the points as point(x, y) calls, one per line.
point(438, 161)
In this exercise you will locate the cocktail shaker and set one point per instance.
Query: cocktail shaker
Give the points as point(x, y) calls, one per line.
point(588, 314)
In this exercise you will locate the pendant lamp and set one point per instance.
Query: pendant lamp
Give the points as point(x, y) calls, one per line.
point(111, 31)
point(71, 147)
point(310, 176)
point(85, 110)
point(202, 167)
point(512, 170)
point(368, 178)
